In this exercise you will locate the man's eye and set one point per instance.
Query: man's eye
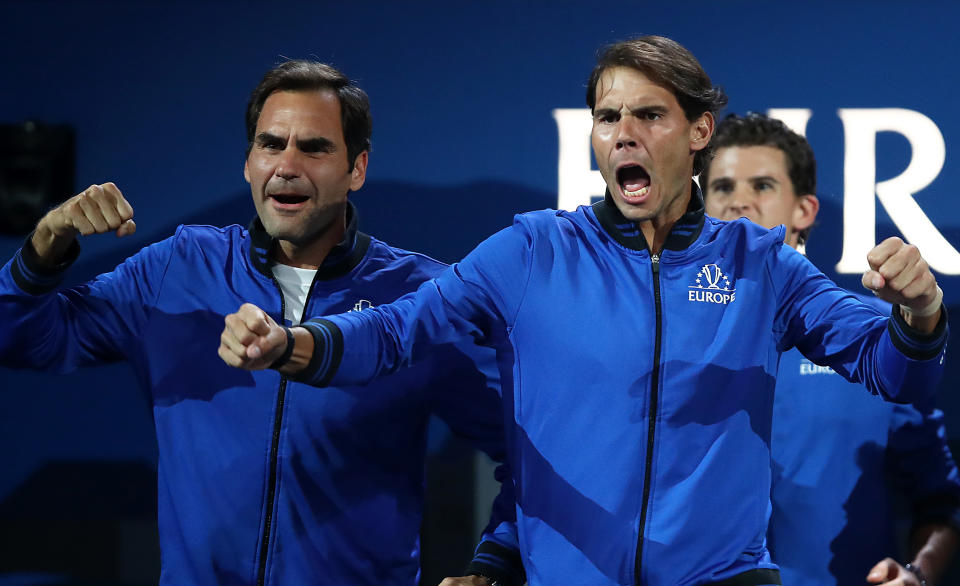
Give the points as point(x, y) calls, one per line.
point(606, 118)
point(763, 186)
point(652, 116)
point(721, 188)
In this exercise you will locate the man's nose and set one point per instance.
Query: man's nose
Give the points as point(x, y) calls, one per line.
point(627, 133)
point(288, 166)
point(741, 200)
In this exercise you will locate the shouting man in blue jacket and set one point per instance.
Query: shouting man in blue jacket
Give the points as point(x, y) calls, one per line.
point(263, 480)
point(638, 342)
point(836, 449)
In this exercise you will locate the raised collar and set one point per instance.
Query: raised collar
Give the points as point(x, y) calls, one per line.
point(339, 261)
point(626, 232)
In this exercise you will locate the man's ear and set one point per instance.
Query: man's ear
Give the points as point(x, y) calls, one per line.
point(359, 172)
point(805, 212)
point(246, 170)
point(701, 130)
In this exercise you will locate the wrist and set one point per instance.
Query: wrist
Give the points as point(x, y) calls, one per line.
point(928, 310)
point(299, 351)
point(49, 246)
point(918, 573)
point(287, 352)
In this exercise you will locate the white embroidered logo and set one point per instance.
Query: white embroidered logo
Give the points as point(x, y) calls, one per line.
point(361, 305)
point(711, 286)
point(807, 367)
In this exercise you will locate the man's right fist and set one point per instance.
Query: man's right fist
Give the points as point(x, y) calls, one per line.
point(96, 210)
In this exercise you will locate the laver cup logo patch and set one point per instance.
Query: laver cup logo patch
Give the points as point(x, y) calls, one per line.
point(711, 286)
point(361, 305)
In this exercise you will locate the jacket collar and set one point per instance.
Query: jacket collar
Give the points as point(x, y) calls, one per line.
point(626, 232)
point(339, 261)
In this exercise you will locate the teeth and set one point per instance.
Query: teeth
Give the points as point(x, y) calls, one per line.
point(637, 193)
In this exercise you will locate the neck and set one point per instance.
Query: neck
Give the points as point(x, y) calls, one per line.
point(311, 255)
point(656, 229)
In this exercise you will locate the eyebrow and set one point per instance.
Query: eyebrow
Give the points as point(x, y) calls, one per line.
point(654, 108)
point(307, 145)
point(316, 145)
point(764, 178)
point(605, 112)
point(265, 137)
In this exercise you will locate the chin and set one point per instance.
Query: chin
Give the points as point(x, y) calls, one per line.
point(634, 213)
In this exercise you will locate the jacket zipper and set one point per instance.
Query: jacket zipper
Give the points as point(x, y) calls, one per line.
point(275, 446)
point(654, 403)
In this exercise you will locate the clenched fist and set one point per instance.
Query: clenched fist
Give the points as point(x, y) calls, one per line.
point(899, 275)
point(251, 339)
point(96, 210)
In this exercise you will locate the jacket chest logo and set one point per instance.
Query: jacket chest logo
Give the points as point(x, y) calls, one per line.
point(361, 305)
point(711, 286)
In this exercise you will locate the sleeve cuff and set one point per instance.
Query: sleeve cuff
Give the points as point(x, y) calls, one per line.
point(499, 563)
point(915, 344)
point(327, 352)
point(35, 277)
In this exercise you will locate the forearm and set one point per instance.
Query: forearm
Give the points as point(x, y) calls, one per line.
point(49, 246)
point(31, 313)
point(303, 348)
point(934, 546)
point(925, 319)
point(909, 362)
point(498, 559)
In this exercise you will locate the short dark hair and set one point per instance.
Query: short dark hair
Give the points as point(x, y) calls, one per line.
point(302, 75)
point(760, 130)
point(668, 63)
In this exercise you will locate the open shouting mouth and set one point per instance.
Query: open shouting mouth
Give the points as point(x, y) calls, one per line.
point(634, 180)
point(288, 201)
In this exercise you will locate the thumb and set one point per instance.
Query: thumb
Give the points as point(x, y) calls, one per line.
point(880, 572)
point(269, 345)
point(873, 280)
point(255, 349)
point(127, 228)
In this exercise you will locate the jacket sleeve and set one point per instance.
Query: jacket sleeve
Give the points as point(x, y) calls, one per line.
point(923, 466)
point(831, 327)
point(498, 556)
point(473, 301)
point(60, 330)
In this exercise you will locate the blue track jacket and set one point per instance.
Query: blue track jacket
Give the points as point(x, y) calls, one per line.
point(261, 480)
point(844, 464)
point(639, 388)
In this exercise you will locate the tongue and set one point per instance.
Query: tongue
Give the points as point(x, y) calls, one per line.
point(634, 178)
point(635, 184)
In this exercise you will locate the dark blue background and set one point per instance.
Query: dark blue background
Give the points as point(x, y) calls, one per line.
point(462, 96)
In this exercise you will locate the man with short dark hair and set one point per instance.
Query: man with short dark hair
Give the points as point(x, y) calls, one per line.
point(835, 449)
point(262, 480)
point(638, 341)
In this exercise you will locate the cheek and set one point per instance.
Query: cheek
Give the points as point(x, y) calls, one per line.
point(600, 136)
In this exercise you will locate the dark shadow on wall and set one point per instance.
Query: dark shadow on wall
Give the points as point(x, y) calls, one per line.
point(82, 522)
point(90, 520)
